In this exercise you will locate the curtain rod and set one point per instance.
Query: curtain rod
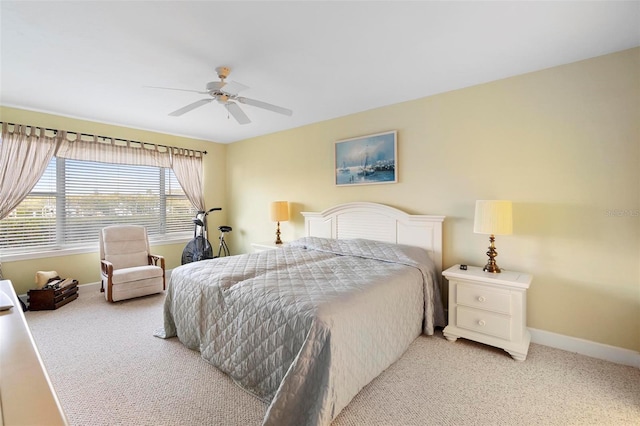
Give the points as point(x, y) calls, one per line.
point(106, 137)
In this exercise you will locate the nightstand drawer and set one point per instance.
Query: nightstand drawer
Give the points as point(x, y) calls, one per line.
point(484, 322)
point(482, 297)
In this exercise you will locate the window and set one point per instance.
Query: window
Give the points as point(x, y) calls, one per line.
point(74, 199)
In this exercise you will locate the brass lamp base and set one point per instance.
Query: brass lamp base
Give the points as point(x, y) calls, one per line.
point(491, 265)
point(278, 240)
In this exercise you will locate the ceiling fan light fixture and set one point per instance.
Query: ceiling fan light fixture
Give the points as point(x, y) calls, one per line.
point(223, 72)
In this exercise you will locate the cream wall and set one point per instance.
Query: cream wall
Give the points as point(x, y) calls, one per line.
point(562, 143)
point(86, 267)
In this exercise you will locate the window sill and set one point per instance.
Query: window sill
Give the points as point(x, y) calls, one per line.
point(85, 249)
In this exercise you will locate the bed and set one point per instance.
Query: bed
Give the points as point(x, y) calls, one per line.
point(306, 326)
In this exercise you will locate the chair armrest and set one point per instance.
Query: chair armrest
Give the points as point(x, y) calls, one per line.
point(154, 259)
point(106, 268)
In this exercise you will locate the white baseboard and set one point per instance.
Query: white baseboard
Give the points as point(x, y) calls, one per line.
point(88, 286)
point(586, 347)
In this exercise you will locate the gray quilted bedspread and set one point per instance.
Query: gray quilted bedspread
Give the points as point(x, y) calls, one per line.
point(305, 327)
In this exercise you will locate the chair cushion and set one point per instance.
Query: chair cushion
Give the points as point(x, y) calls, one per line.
point(124, 261)
point(136, 289)
point(125, 246)
point(136, 273)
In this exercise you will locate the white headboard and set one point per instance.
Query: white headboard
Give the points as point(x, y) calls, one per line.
point(378, 222)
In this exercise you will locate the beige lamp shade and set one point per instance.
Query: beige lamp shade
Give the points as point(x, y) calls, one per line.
point(493, 217)
point(280, 211)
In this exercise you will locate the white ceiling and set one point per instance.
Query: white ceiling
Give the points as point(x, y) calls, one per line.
point(92, 60)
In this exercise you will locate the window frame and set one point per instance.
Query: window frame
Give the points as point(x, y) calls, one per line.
point(92, 247)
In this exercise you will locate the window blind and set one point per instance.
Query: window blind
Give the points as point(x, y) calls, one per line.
point(74, 199)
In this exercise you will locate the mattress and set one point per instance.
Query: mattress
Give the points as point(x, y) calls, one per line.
point(306, 326)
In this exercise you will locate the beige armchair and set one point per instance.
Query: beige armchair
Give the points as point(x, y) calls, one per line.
point(127, 268)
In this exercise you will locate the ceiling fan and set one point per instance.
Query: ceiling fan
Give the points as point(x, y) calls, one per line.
point(226, 93)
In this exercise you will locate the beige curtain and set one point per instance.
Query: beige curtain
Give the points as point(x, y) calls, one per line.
point(25, 153)
point(108, 150)
point(187, 166)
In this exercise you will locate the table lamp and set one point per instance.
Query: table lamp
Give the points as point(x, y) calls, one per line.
point(279, 213)
point(493, 217)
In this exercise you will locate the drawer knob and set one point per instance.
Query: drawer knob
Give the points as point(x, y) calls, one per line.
point(481, 323)
point(481, 299)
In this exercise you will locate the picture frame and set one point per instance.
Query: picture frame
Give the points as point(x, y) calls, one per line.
point(367, 160)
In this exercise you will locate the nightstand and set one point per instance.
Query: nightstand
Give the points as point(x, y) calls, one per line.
point(267, 245)
point(489, 308)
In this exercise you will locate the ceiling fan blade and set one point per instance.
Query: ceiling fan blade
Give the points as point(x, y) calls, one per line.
point(237, 113)
point(179, 90)
point(190, 107)
point(233, 87)
point(265, 105)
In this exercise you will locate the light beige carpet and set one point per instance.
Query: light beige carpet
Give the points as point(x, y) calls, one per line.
point(108, 369)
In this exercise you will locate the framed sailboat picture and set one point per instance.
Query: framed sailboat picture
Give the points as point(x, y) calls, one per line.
point(367, 160)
